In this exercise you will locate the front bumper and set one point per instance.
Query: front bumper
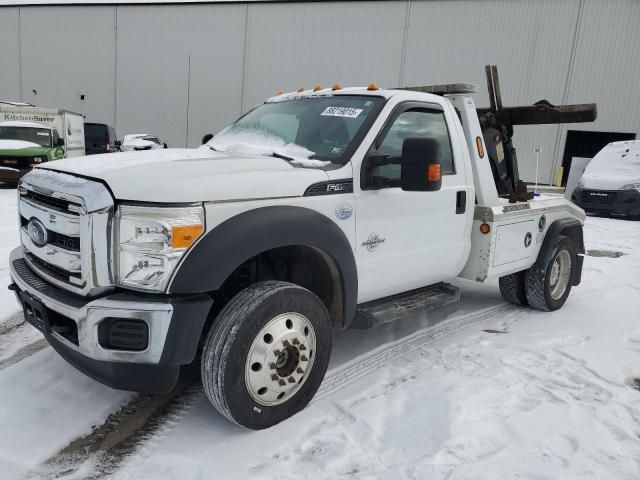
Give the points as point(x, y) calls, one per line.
point(72, 325)
point(616, 202)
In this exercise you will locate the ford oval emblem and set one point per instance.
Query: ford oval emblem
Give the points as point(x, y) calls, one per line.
point(37, 232)
point(344, 211)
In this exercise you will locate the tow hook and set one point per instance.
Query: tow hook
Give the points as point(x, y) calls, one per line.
point(13, 287)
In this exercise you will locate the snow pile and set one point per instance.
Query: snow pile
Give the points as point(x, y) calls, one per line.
point(615, 165)
point(252, 142)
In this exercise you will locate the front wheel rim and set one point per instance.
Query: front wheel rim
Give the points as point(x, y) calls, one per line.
point(280, 359)
point(560, 275)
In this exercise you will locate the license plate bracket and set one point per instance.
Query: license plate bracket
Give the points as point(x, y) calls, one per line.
point(34, 311)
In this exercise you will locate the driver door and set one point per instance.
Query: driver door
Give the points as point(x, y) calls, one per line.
point(407, 240)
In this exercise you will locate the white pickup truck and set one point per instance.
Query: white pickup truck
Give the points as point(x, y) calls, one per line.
point(246, 252)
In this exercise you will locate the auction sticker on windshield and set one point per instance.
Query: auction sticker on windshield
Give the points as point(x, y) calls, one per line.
point(341, 112)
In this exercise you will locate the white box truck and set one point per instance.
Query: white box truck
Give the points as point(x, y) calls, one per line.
point(31, 135)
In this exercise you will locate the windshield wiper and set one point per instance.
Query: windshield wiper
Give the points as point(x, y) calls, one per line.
point(283, 157)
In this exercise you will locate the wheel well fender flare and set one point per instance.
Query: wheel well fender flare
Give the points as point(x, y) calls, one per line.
point(215, 256)
point(571, 228)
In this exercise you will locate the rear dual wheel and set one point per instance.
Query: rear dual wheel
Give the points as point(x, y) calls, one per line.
point(544, 287)
point(266, 354)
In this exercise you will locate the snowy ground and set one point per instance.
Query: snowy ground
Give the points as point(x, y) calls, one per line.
point(476, 390)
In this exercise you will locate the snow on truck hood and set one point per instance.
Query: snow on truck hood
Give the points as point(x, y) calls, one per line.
point(615, 165)
point(17, 145)
point(191, 175)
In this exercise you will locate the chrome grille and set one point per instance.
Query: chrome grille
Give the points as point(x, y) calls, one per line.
point(52, 203)
point(76, 214)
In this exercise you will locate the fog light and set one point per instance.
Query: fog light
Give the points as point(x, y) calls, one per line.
point(123, 334)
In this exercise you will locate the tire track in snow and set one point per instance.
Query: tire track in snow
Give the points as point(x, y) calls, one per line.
point(100, 453)
point(357, 368)
point(23, 353)
point(18, 340)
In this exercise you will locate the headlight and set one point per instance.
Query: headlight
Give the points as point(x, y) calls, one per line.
point(580, 184)
point(631, 186)
point(38, 159)
point(151, 241)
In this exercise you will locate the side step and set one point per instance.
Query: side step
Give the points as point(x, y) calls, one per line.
point(395, 307)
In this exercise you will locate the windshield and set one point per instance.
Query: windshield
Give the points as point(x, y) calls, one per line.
point(39, 136)
point(323, 128)
point(95, 133)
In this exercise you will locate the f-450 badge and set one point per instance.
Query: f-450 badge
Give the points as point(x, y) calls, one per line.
point(373, 242)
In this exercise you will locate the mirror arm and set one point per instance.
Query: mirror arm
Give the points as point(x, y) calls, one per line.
point(381, 160)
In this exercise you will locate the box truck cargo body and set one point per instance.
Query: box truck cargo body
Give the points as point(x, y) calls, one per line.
point(32, 135)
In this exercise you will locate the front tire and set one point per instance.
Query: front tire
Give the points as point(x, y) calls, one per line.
point(548, 287)
point(266, 354)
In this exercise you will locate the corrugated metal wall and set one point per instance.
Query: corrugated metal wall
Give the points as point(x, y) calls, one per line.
point(184, 70)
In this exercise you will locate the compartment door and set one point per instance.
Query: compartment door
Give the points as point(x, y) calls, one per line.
point(513, 242)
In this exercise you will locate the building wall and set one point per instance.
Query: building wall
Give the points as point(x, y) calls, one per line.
point(181, 71)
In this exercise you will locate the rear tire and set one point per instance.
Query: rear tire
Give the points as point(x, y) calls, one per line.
point(548, 287)
point(512, 288)
point(266, 354)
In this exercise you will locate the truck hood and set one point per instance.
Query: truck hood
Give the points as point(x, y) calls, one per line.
point(32, 149)
point(17, 145)
point(191, 175)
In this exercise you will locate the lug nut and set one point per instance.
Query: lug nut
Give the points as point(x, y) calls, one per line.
point(282, 383)
point(276, 352)
point(272, 366)
point(292, 380)
point(286, 343)
point(302, 347)
point(299, 370)
point(274, 377)
point(304, 358)
point(296, 341)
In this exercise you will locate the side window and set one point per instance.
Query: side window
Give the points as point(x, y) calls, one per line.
point(415, 123)
point(55, 136)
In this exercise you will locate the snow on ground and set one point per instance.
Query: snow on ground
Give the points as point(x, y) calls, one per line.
point(44, 403)
point(546, 398)
point(476, 390)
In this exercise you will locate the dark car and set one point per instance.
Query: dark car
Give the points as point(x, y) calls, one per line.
point(99, 138)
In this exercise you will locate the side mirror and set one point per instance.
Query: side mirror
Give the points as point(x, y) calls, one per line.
point(420, 168)
point(60, 142)
point(117, 144)
point(206, 138)
point(165, 145)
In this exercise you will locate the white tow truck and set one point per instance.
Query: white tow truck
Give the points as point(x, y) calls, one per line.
point(317, 210)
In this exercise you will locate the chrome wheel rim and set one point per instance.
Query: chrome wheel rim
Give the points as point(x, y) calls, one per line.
point(280, 359)
point(560, 274)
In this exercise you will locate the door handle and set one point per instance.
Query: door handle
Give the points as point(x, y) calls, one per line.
point(461, 201)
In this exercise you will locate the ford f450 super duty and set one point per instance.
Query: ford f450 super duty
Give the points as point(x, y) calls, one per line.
point(297, 219)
